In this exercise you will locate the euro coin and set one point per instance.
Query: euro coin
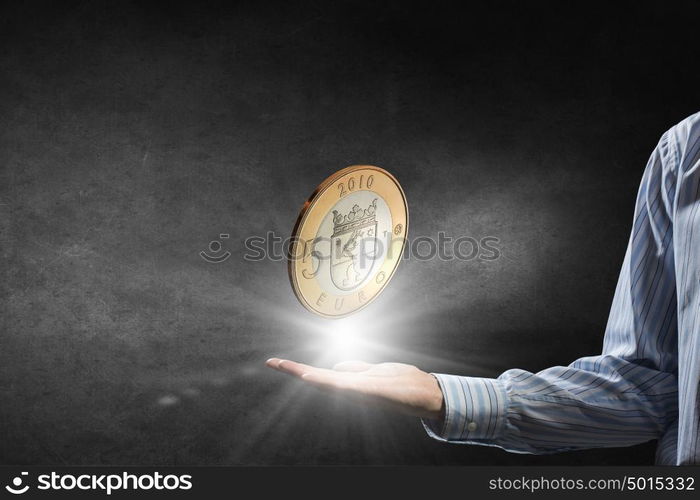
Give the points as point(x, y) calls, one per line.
point(348, 241)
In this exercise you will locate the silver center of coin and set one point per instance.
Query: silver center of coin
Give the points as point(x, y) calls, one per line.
point(351, 243)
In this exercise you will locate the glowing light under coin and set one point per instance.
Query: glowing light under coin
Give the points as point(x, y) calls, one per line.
point(360, 337)
point(344, 340)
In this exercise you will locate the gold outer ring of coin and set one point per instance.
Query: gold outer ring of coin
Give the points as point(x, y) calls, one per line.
point(309, 292)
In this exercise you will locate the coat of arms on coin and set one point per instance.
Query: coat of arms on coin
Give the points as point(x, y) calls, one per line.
point(348, 240)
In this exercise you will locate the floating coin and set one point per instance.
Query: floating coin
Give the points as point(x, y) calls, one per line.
point(348, 240)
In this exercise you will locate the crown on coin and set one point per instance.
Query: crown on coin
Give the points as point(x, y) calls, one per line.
point(357, 217)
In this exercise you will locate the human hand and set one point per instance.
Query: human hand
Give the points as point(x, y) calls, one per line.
point(396, 386)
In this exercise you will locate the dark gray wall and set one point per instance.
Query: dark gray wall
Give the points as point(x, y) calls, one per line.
point(134, 135)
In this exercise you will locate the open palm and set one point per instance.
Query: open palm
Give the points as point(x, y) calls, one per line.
point(392, 385)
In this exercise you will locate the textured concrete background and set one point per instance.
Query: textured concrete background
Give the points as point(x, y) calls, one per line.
point(133, 135)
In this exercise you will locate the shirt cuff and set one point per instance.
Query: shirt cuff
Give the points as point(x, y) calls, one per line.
point(475, 409)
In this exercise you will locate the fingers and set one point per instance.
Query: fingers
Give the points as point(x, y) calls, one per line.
point(352, 366)
point(272, 362)
point(326, 379)
point(298, 369)
point(289, 367)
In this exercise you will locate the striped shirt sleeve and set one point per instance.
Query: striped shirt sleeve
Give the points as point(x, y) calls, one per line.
point(474, 409)
point(627, 394)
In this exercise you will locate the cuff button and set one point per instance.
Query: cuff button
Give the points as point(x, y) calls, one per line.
point(471, 427)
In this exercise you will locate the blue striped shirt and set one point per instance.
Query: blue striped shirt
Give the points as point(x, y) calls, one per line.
point(644, 384)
